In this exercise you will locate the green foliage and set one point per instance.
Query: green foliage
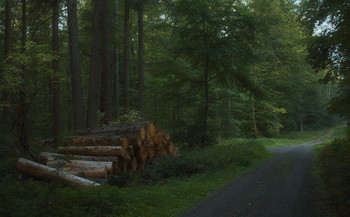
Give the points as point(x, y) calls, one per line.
point(132, 116)
point(209, 159)
point(183, 181)
point(334, 163)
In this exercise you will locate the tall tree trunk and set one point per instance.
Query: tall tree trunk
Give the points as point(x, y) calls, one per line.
point(95, 66)
point(7, 51)
point(23, 96)
point(55, 67)
point(301, 121)
point(116, 89)
point(126, 55)
point(256, 134)
point(206, 101)
point(106, 98)
point(141, 103)
point(75, 69)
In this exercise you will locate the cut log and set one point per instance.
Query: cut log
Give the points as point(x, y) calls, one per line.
point(123, 165)
point(148, 142)
point(150, 153)
point(122, 129)
point(132, 165)
point(40, 171)
point(118, 151)
point(151, 128)
point(170, 148)
point(44, 157)
point(94, 140)
point(90, 169)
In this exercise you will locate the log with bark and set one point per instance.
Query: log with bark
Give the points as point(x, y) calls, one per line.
point(118, 151)
point(123, 129)
point(89, 169)
point(45, 157)
point(36, 170)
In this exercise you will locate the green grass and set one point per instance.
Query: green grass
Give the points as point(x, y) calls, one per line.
point(293, 138)
point(166, 188)
point(331, 172)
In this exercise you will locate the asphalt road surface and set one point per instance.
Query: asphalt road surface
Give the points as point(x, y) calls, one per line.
point(281, 187)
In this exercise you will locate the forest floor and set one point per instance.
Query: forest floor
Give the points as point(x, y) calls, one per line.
point(283, 186)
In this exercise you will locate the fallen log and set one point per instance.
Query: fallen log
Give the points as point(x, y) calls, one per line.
point(40, 171)
point(123, 129)
point(132, 165)
point(90, 169)
point(118, 151)
point(45, 157)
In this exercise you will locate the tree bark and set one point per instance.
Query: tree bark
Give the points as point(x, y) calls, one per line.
point(55, 66)
point(7, 51)
point(44, 157)
point(40, 171)
point(116, 88)
point(256, 134)
point(24, 135)
point(106, 98)
point(91, 169)
point(95, 66)
point(206, 101)
point(75, 69)
point(141, 103)
point(118, 151)
point(126, 55)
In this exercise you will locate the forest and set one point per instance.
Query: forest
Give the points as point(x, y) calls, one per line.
point(205, 71)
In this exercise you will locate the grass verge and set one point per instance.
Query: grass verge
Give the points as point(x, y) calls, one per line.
point(293, 138)
point(332, 176)
point(166, 188)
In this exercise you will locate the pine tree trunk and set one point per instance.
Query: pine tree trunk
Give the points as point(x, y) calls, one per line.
point(7, 51)
point(256, 134)
point(23, 96)
point(115, 87)
point(141, 103)
point(55, 66)
point(95, 66)
point(106, 98)
point(126, 56)
point(206, 101)
point(75, 69)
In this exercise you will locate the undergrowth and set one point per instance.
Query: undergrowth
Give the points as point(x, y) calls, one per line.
point(165, 188)
point(333, 163)
point(332, 174)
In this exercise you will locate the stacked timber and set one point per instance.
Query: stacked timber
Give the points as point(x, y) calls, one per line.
point(98, 153)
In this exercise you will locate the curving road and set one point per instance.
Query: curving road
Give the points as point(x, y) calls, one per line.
point(281, 187)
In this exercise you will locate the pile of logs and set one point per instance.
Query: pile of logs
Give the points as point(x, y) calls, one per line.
point(97, 153)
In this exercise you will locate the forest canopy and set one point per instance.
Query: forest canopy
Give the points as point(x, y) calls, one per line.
point(204, 70)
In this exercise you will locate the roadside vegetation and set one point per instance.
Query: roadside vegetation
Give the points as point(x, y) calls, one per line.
point(332, 174)
point(167, 187)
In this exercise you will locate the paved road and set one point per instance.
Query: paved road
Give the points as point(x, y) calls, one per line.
point(282, 187)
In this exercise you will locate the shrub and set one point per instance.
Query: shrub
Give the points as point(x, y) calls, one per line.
point(334, 161)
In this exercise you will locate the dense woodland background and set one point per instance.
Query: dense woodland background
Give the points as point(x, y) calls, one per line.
point(204, 70)
point(219, 75)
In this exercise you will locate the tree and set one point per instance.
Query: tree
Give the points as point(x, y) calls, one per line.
point(141, 100)
point(75, 68)
point(329, 51)
point(95, 66)
point(126, 56)
point(55, 82)
point(8, 48)
point(207, 33)
point(106, 95)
